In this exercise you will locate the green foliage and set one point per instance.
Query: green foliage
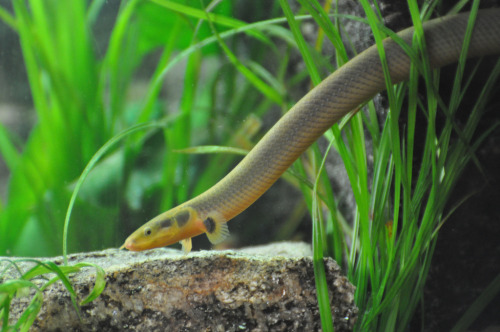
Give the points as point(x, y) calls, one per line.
point(26, 285)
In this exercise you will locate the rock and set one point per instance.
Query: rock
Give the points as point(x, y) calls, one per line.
point(266, 288)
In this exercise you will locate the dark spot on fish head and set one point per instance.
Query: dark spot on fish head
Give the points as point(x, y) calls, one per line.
point(182, 217)
point(147, 231)
point(166, 223)
point(209, 225)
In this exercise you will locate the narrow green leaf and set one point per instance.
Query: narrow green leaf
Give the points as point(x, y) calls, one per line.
point(99, 285)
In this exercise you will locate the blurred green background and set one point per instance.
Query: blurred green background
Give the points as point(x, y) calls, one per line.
point(77, 73)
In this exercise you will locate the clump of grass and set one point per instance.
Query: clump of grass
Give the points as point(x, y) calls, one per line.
point(33, 282)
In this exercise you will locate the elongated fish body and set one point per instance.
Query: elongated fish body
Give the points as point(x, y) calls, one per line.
point(344, 90)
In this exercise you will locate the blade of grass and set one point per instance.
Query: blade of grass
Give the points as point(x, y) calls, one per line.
point(99, 284)
point(301, 43)
point(323, 20)
point(477, 307)
point(319, 248)
point(8, 149)
point(8, 19)
point(211, 17)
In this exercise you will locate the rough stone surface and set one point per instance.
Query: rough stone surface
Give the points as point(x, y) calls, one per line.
point(267, 288)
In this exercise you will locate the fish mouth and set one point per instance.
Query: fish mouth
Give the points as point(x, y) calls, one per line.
point(129, 245)
point(125, 246)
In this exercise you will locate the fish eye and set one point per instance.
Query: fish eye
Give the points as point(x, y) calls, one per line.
point(147, 231)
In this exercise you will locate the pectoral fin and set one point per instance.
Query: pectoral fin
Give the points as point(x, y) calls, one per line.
point(216, 231)
point(186, 245)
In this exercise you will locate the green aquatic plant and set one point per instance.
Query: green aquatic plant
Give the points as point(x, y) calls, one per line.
point(14, 282)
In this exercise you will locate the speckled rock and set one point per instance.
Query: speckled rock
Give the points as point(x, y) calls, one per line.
point(267, 288)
